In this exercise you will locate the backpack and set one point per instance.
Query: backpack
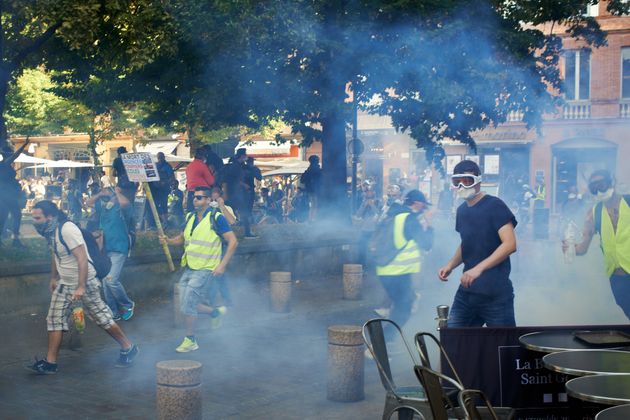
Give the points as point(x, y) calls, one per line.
point(597, 213)
point(213, 221)
point(98, 256)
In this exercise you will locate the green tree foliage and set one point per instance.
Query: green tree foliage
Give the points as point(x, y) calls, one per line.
point(75, 35)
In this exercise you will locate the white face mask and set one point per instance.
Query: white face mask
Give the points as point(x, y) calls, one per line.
point(604, 196)
point(214, 204)
point(466, 193)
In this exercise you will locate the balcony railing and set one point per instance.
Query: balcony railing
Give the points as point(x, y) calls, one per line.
point(576, 111)
point(514, 116)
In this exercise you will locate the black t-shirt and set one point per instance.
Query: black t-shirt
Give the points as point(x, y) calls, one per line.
point(479, 227)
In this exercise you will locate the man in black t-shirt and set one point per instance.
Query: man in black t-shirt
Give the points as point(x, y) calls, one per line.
point(486, 226)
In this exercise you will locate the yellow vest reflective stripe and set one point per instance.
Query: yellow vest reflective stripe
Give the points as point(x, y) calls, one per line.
point(616, 245)
point(202, 247)
point(407, 261)
point(540, 192)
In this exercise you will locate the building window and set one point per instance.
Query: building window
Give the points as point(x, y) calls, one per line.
point(577, 75)
point(625, 73)
point(592, 10)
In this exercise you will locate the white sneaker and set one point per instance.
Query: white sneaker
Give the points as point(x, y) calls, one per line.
point(382, 312)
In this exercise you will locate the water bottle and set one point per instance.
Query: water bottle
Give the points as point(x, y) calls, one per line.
point(78, 317)
point(570, 234)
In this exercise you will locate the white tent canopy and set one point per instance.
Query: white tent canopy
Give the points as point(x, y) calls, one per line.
point(24, 158)
point(294, 168)
point(63, 164)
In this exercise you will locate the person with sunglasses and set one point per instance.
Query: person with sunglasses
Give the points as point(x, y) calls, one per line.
point(203, 261)
point(610, 218)
point(486, 227)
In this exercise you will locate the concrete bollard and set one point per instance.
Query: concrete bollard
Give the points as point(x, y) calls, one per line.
point(345, 363)
point(352, 281)
point(179, 390)
point(178, 316)
point(280, 285)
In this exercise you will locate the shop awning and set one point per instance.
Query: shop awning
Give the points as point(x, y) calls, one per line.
point(154, 147)
point(62, 164)
point(296, 168)
point(24, 158)
point(262, 148)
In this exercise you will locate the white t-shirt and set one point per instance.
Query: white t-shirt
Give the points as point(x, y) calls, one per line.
point(67, 264)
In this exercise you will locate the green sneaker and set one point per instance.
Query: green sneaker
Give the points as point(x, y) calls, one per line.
point(216, 318)
point(187, 345)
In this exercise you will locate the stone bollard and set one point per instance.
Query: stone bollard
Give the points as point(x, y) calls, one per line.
point(345, 363)
point(352, 281)
point(179, 390)
point(178, 316)
point(280, 285)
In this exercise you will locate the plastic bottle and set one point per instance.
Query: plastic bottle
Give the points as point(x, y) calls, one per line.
point(78, 317)
point(570, 234)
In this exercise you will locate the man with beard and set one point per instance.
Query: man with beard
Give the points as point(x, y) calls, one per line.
point(486, 227)
point(73, 279)
point(610, 218)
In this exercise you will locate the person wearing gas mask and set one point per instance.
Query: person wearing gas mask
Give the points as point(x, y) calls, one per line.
point(73, 279)
point(109, 205)
point(486, 227)
point(610, 218)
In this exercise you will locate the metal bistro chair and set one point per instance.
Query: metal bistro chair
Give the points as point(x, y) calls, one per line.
point(467, 402)
point(423, 352)
point(408, 400)
point(442, 407)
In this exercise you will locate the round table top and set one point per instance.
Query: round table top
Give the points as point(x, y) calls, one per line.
point(614, 413)
point(601, 389)
point(589, 362)
point(553, 341)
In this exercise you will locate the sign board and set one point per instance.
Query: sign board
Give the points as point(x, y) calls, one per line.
point(140, 167)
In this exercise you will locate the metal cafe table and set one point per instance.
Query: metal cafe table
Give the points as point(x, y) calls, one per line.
point(614, 413)
point(589, 362)
point(558, 340)
point(601, 389)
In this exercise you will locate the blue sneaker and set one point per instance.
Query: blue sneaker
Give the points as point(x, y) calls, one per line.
point(129, 313)
point(42, 367)
point(126, 358)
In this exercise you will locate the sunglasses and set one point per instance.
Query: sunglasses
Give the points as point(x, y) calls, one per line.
point(465, 180)
point(200, 197)
point(600, 185)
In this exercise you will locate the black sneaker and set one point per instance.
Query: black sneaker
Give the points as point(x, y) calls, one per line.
point(42, 367)
point(126, 358)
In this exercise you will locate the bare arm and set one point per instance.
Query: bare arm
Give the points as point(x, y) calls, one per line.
point(82, 259)
point(229, 216)
point(454, 262)
point(54, 275)
point(176, 240)
point(232, 243)
point(588, 231)
point(90, 202)
point(503, 251)
point(122, 200)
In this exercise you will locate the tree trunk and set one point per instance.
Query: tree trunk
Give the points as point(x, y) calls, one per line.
point(5, 76)
point(334, 198)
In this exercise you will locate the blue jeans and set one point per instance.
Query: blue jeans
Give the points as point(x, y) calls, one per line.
point(399, 290)
point(475, 310)
point(620, 286)
point(219, 285)
point(115, 294)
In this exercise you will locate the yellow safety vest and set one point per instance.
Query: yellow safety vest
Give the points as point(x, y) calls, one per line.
point(202, 247)
point(540, 192)
point(407, 261)
point(616, 245)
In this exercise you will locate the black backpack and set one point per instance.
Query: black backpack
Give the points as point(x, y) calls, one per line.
point(597, 213)
point(98, 257)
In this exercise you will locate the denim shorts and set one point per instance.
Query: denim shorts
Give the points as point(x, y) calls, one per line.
point(193, 289)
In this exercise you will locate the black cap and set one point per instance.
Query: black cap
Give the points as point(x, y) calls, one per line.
point(416, 195)
point(241, 152)
point(121, 150)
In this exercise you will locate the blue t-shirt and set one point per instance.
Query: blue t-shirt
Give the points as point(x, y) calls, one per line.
point(114, 227)
point(479, 227)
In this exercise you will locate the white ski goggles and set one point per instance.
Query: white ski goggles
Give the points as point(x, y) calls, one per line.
point(465, 180)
